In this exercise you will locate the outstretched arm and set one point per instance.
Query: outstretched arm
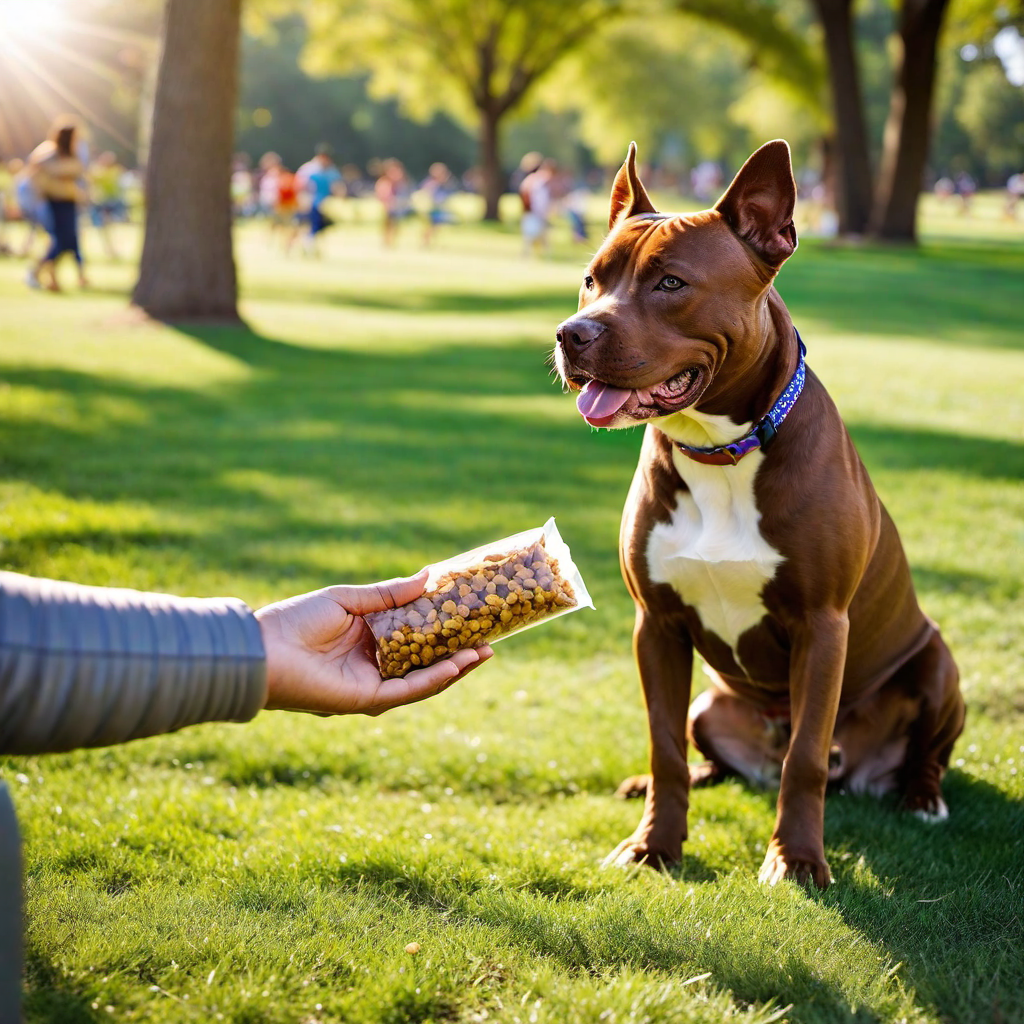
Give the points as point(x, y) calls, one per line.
point(91, 666)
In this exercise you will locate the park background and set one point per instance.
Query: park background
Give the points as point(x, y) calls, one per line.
point(352, 417)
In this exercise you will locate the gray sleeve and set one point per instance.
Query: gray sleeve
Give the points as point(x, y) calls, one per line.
point(91, 666)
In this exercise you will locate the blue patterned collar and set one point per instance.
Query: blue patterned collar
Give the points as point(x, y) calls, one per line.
point(763, 432)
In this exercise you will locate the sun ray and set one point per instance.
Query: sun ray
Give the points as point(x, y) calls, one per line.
point(70, 55)
point(14, 124)
point(112, 35)
point(50, 58)
point(35, 92)
point(32, 65)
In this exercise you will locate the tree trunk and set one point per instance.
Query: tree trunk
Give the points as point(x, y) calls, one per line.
point(493, 178)
point(908, 129)
point(850, 150)
point(188, 267)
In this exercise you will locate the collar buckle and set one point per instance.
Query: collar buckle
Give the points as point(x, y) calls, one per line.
point(765, 432)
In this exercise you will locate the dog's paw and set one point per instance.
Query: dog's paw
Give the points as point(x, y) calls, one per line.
point(633, 788)
point(932, 809)
point(707, 773)
point(638, 851)
point(779, 865)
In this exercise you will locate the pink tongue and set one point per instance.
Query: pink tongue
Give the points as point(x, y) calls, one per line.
point(598, 403)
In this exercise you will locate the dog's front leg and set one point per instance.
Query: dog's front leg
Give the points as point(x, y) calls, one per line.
point(664, 656)
point(797, 847)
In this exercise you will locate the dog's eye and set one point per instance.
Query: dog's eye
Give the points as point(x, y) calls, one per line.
point(588, 282)
point(670, 283)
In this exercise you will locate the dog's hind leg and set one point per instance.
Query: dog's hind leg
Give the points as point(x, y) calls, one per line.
point(736, 738)
point(933, 675)
point(900, 739)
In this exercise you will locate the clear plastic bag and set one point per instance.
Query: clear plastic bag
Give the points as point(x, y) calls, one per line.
point(480, 597)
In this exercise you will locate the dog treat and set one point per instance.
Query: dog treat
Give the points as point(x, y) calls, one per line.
point(480, 597)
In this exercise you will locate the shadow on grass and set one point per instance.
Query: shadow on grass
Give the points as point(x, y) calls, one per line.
point(49, 997)
point(888, 446)
point(371, 431)
point(514, 782)
point(37, 543)
point(382, 425)
point(946, 293)
point(974, 585)
point(944, 900)
point(559, 304)
point(599, 929)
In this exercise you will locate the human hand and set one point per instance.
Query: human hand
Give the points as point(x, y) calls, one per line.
point(321, 655)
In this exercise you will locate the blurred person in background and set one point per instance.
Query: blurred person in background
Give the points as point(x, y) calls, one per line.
point(318, 179)
point(285, 218)
point(28, 204)
point(242, 185)
point(438, 186)
point(528, 163)
point(57, 173)
point(278, 199)
point(473, 181)
point(706, 180)
point(265, 183)
point(577, 202)
point(395, 195)
point(8, 207)
point(537, 192)
point(1014, 190)
point(966, 186)
point(107, 196)
point(356, 186)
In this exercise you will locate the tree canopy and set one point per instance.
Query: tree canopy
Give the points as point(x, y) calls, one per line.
point(476, 59)
point(300, 111)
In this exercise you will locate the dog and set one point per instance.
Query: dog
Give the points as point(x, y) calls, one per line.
point(751, 533)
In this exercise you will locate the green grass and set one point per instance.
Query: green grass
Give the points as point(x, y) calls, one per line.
point(386, 410)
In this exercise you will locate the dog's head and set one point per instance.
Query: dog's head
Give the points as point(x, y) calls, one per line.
point(673, 308)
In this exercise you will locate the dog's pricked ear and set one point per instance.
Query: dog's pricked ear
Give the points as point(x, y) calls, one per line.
point(759, 203)
point(628, 194)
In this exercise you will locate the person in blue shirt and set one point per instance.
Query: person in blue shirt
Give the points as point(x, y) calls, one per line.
point(320, 179)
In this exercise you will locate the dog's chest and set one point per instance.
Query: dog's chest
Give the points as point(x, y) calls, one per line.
point(711, 551)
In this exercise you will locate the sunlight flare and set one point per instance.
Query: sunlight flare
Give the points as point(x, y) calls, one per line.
point(25, 20)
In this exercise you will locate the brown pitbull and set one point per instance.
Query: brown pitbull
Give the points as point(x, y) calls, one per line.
point(751, 532)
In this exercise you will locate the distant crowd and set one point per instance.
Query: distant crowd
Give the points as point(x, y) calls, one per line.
point(60, 180)
point(298, 204)
point(962, 187)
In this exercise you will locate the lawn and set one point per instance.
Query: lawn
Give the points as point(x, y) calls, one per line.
point(389, 409)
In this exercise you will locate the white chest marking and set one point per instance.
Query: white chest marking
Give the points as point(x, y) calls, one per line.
point(711, 552)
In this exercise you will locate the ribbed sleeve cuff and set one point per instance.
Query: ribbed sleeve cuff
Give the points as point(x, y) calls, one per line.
point(90, 666)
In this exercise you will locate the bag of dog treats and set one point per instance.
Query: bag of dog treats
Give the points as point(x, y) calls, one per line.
point(479, 597)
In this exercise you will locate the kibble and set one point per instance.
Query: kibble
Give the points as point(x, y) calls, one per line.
point(472, 607)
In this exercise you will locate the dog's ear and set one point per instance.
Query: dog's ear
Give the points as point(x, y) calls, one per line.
point(759, 203)
point(628, 194)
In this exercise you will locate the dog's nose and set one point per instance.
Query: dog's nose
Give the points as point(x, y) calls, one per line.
point(578, 331)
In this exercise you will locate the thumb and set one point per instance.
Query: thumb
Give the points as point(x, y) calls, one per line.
point(375, 597)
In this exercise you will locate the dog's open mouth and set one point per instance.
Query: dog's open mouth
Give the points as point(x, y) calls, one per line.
point(600, 403)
